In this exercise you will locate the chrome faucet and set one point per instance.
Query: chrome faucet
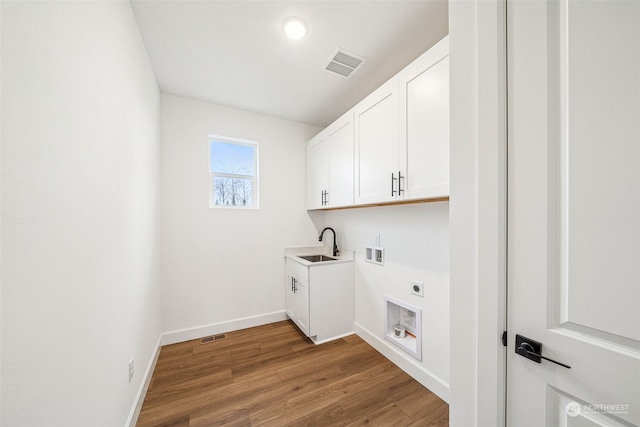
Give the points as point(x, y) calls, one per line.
point(336, 252)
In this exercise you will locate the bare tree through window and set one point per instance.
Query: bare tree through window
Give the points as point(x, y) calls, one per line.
point(233, 173)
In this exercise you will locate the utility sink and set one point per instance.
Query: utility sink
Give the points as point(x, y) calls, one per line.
point(316, 258)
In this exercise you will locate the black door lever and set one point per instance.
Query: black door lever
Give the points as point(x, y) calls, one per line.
point(531, 349)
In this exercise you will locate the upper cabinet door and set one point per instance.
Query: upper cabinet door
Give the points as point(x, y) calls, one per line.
point(317, 171)
point(376, 144)
point(341, 162)
point(424, 124)
point(330, 166)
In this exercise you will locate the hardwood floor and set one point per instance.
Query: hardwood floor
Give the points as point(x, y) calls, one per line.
point(272, 375)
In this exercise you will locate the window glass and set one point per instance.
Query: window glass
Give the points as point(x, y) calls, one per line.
point(233, 166)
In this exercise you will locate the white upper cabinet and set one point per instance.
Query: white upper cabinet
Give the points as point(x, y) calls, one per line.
point(393, 146)
point(330, 166)
point(376, 145)
point(341, 162)
point(317, 171)
point(424, 125)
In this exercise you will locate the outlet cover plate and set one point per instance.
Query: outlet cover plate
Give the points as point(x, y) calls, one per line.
point(417, 288)
point(130, 369)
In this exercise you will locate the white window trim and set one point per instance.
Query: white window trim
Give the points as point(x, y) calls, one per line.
point(254, 178)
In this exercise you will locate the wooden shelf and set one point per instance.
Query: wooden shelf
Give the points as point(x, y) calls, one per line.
point(393, 203)
point(408, 343)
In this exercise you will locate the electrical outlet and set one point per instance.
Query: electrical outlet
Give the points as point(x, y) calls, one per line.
point(130, 369)
point(377, 240)
point(417, 288)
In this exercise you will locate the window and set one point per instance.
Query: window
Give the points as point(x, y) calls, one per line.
point(233, 173)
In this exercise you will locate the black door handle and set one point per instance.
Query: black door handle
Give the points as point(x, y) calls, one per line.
point(531, 349)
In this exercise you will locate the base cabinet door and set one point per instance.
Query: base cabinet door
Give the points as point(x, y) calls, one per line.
point(292, 311)
point(301, 290)
point(297, 287)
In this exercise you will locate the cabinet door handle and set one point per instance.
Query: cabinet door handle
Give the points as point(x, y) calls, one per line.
point(393, 187)
point(325, 198)
point(295, 289)
point(292, 286)
point(400, 178)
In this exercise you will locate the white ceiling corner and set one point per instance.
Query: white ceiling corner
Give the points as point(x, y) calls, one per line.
point(235, 53)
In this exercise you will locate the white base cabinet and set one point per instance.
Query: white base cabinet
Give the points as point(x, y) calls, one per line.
point(321, 299)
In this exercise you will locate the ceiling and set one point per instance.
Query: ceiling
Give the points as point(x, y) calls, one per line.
point(235, 53)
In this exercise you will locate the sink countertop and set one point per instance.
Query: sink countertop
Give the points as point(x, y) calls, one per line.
point(295, 252)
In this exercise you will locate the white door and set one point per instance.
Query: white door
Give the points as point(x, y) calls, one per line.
point(574, 212)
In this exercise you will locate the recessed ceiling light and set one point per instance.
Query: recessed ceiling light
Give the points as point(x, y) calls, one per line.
point(295, 28)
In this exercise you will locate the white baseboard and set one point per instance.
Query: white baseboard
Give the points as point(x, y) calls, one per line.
point(337, 337)
point(181, 335)
point(142, 392)
point(424, 377)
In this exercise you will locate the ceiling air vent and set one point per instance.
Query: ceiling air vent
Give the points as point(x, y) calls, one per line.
point(345, 63)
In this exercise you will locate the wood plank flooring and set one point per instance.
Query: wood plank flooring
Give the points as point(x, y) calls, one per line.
point(272, 375)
